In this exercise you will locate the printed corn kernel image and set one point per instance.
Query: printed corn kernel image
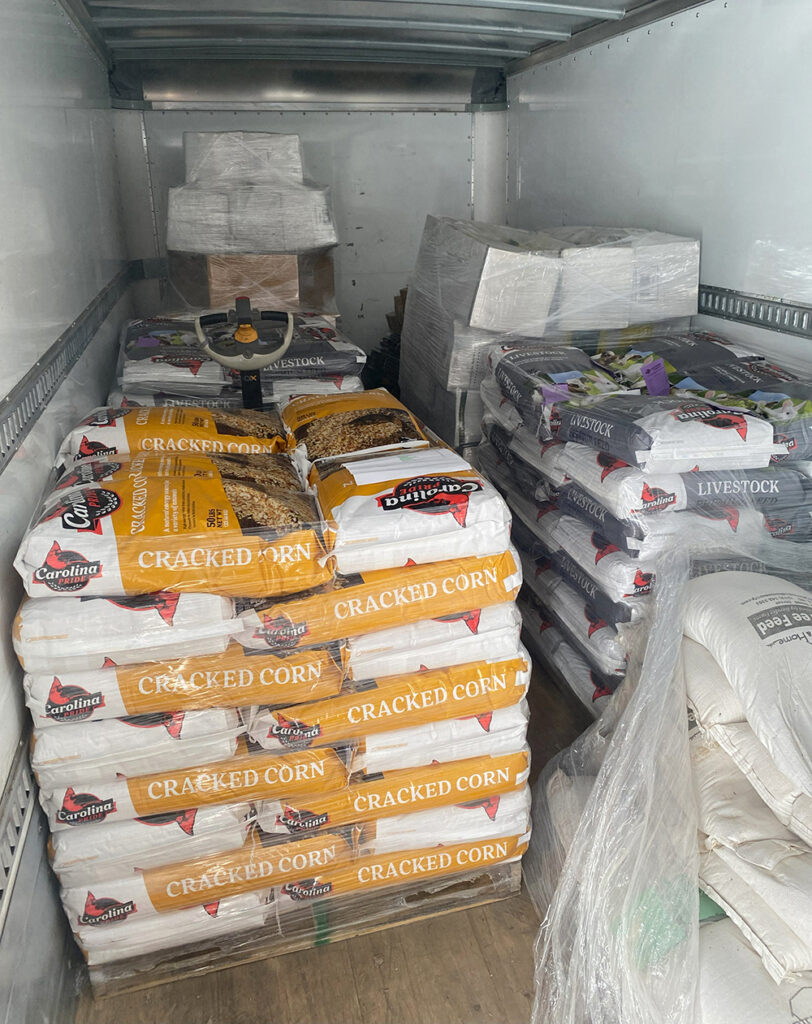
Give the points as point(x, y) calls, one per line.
point(355, 431)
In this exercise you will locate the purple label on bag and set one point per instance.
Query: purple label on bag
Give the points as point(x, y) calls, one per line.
point(656, 378)
point(147, 341)
point(553, 395)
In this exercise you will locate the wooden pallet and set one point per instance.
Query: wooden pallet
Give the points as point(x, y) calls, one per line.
point(316, 923)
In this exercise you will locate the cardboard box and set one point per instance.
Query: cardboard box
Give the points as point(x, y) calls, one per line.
point(285, 281)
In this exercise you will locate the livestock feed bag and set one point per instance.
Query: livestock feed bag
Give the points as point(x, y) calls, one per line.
point(97, 852)
point(529, 375)
point(141, 534)
point(174, 430)
point(320, 427)
point(164, 354)
point(419, 506)
point(666, 435)
point(162, 890)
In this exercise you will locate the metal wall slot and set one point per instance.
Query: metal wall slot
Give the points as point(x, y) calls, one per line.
point(772, 314)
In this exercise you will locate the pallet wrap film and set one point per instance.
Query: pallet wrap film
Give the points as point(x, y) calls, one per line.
point(234, 525)
point(475, 280)
point(614, 864)
point(161, 362)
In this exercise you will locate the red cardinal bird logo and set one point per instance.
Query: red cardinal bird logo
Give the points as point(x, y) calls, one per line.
point(291, 732)
point(172, 721)
point(83, 808)
point(778, 527)
point(484, 720)
point(595, 624)
point(602, 547)
point(600, 691)
point(88, 473)
point(105, 910)
point(300, 820)
point(71, 703)
point(654, 498)
point(432, 495)
point(489, 804)
point(66, 571)
point(712, 418)
point(731, 515)
point(109, 663)
point(163, 602)
point(212, 909)
point(85, 510)
point(185, 820)
point(89, 448)
point(643, 581)
point(609, 464)
point(470, 618)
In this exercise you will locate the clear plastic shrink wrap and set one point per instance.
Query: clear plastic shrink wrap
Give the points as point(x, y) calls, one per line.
point(614, 864)
point(250, 157)
point(221, 770)
point(473, 281)
point(244, 193)
point(245, 528)
point(161, 363)
point(238, 218)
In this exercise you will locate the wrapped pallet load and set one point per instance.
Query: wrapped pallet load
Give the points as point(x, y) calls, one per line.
point(245, 222)
point(161, 362)
point(478, 285)
point(663, 523)
point(218, 746)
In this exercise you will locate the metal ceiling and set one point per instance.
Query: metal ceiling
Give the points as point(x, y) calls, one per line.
point(501, 34)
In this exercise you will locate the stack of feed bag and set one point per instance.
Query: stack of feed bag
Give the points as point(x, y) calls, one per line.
point(162, 363)
point(268, 662)
point(245, 223)
point(476, 285)
point(745, 661)
point(603, 479)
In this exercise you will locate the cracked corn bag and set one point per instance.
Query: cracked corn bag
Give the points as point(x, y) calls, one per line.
point(142, 534)
point(270, 470)
point(329, 426)
point(382, 600)
point(173, 430)
point(427, 505)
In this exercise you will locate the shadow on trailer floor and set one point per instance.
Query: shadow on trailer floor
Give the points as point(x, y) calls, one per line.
point(470, 967)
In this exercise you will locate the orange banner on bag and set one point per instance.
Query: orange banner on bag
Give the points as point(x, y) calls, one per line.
point(406, 792)
point(175, 430)
point(232, 679)
point(191, 883)
point(143, 534)
point(398, 702)
point(371, 873)
point(386, 598)
point(246, 777)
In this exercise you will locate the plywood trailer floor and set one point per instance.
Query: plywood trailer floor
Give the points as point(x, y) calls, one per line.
point(469, 967)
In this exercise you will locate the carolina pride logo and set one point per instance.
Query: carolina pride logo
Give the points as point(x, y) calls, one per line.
point(432, 495)
point(71, 703)
point(66, 571)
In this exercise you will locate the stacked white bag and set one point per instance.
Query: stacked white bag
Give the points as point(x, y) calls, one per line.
point(603, 480)
point(745, 660)
point(161, 362)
